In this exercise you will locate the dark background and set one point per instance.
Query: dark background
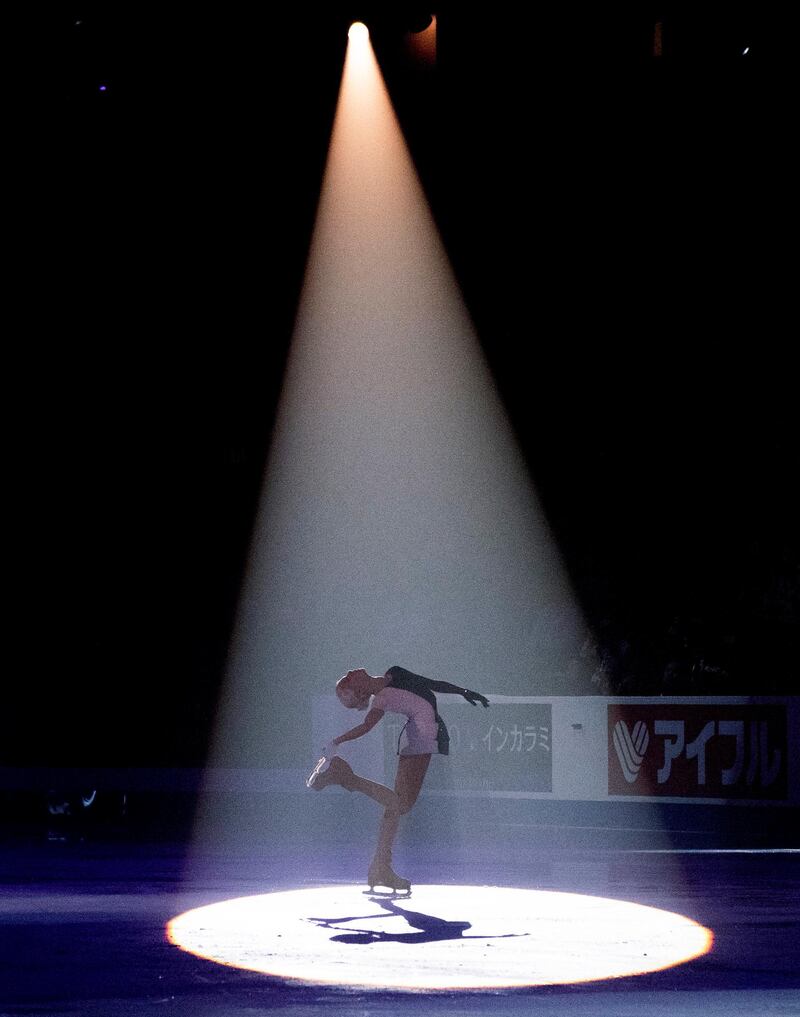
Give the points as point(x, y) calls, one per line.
point(619, 224)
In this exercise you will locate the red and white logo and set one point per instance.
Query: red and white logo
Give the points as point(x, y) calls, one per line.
point(698, 750)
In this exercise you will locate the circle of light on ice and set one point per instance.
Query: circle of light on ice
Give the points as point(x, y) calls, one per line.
point(452, 937)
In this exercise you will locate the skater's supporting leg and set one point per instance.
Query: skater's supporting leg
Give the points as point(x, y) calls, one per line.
point(411, 772)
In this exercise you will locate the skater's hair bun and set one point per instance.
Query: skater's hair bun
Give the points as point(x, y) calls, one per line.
point(343, 691)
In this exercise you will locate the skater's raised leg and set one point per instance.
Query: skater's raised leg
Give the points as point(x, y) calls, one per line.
point(340, 772)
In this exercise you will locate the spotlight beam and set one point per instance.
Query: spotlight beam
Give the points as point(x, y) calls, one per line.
point(397, 522)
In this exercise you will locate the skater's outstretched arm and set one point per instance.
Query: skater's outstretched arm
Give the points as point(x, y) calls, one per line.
point(367, 724)
point(471, 697)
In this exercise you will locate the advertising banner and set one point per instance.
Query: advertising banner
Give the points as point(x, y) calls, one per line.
point(506, 748)
point(698, 750)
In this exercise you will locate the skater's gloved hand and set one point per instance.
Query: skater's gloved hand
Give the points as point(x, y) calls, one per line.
point(475, 698)
point(330, 750)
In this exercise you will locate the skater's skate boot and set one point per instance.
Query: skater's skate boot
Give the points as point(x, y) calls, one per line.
point(381, 874)
point(331, 771)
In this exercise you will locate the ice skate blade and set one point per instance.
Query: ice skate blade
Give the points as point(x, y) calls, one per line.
point(319, 769)
point(372, 892)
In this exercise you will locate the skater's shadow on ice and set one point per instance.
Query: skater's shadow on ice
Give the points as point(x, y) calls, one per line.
point(430, 928)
